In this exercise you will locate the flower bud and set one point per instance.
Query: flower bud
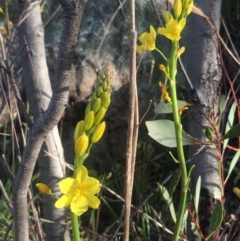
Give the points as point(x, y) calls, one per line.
point(81, 145)
point(106, 103)
point(99, 116)
point(88, 121)
point(180, 51)
point(104, 85)
point(79, 129)
point(96, 105)
point(88, 109)
point(99, 91)
point(177, 8)
point(190, 8)
point(105, 95)
point(42, 188)
point(98, 132)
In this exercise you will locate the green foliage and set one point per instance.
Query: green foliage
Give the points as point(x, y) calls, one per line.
point(216, 219)
point(163, 131)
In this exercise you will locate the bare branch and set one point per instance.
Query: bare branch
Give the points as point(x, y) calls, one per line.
point(73, 11)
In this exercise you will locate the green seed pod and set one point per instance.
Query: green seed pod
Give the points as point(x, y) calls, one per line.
point(88, 122)
point(81, 145)
point(99, 116)
point(96, 105)
point(98, 132)
point(106, 103)
point(79, 130)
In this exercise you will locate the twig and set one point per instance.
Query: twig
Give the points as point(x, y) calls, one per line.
point(6, 168)
point(5, 195)
point(5, 238)
point(108, 27)
point(133, 123)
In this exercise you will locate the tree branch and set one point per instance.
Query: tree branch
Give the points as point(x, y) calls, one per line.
point(73, 11)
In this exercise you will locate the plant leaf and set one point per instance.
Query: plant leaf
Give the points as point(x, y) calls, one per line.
point(229, 123)
point(165, 107)
point(216, 219)
point(232, 165)
point(197, 193)
point(233, 132)
point(163, 131)
point(165, 195)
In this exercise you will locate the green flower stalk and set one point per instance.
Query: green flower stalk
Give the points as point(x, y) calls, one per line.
point(79, 191)
point(172, 30)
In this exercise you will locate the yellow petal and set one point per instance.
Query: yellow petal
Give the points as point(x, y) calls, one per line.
point(153, 33)
point(79, 205)
point(81, 174)
point(93, 201)
point(140, 48)
point(91, 186)
point(66, 185)
point(63, 201)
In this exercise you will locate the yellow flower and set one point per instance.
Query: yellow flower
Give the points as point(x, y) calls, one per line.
point(79, 192)
point(164, 92)
point(42, 188)
point(173, 29)
point(147, 40)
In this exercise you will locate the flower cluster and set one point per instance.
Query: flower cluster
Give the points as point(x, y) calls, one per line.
point(172, 29)
point(90, 130)
point(79, 191)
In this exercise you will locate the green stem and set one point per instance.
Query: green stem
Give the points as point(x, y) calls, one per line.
point(75, 228)
point(160, 52)
point(178, 131)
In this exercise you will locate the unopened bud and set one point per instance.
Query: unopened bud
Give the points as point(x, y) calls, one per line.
point(99, 116)
point(106, 103)
point(81, 145)
point(79, 130)
point(190, 8)
point(42, 188)
point(177, 8)
point(99, 91)
point(88, 109)
point(96, 104)
point(88, 121)
point(98, 132)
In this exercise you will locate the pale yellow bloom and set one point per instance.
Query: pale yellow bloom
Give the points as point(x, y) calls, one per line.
point(173, 29)
point(42, 188)
point(147, 40)
point(79, 193)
